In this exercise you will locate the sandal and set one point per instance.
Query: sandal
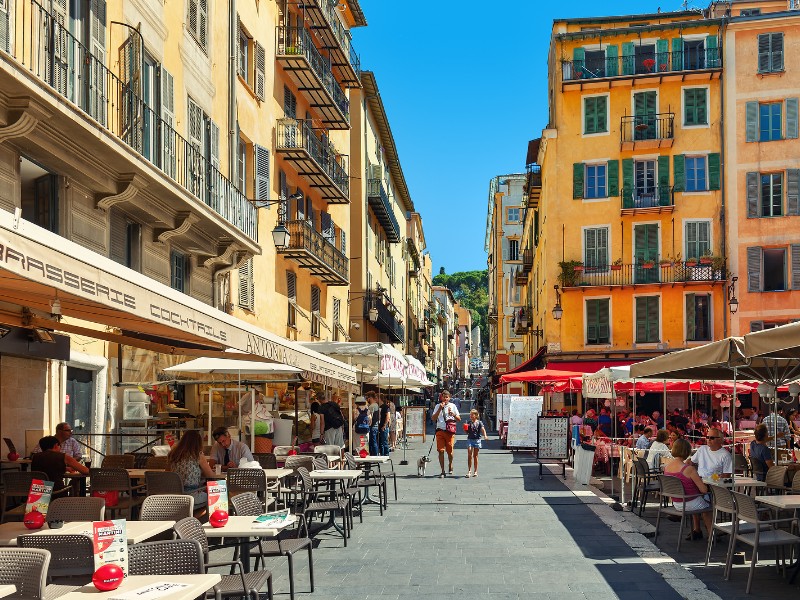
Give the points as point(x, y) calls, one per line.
point(442, 475)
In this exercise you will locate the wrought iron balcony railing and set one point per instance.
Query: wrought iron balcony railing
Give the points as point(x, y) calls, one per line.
point(317, 253)
point(642, 63)
point(324, 20)
point(520, 276)
point(660, 197)
point(639, 128)
point(382, 207)
point(387, 321)
point(527, 260)
point(48, 51)
point(643, 272)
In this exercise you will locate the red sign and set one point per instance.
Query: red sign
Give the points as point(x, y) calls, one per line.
point(501, 364)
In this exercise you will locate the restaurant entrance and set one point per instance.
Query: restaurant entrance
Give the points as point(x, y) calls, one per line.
point(80, 395)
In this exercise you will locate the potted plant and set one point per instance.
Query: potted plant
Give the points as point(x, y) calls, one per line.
point(707, 258)
point(648, 264)
point(616, 265)
point(577, 267)
point(691, 261)
point(569, 276)
point(718, 263)
point(665, 262)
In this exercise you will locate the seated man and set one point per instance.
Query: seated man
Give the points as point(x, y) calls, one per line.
point(713, 458)
point(227, 451)
point(53, 461)
point(68, 444)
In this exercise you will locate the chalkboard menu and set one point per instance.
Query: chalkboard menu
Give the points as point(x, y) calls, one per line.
point(553, 437)
point(414, 420)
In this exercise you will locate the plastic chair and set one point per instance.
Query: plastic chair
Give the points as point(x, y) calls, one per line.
point(166, 507)
point(16, 485)
point(156, 462)
point(171, 557)
point(77, 509)
point(25, 568)
point(267, 460)
point(644, 483)
point(70, 555)
point(776, 479)
point(163, 482)
point(239, 584)
point(319, 502)
point(367, 481)
point(740, 465)
point(118, 461)
point(247, 480)
point(248, 504)
point(671, 487)
point(115, 480)
point(722, 503)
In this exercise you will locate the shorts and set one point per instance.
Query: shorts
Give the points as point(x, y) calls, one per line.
point(445, 441)
point(474, 443)
point(698, 503)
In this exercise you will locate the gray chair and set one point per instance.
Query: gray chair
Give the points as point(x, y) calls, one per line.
point(163, 482)
point(237, 584)
point(644, 483)
point(320, 502)
point(248, 504)
point(116, 480)
point(77, 509)
point(156, 462)
point(368, 480)
point(723, 505)
point(247, 480)
point(267, 460)
point(71, 556)
point(671, 487)
point(25, 568)
point(119, 461)
point(776, 479)
point(171, 557)
point(16, 485)
point(167, 507)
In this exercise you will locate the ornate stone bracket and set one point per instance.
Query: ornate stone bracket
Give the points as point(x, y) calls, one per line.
point(130, 184)
point(21, 127)
point(188, 220)
point(223, 258)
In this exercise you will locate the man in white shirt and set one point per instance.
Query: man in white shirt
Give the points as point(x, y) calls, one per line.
point(713, 458)
point(445, 411)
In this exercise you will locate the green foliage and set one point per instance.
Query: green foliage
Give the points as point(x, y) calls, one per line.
point(471, 290)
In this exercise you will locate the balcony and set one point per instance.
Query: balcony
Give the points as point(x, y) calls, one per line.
point(416, 263)
point(641, 132)
point(382, 207)
point(302, 61)
point(533, 186)
point(656, 199)
point(520, 276)
point(643, 64)
point(387, 321)
point(313, 251)
point(323, 20)
point(527, 260)
point(106, 109)
point(315, 159)
point(644, 273)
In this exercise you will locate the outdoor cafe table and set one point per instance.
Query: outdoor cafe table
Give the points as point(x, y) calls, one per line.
point(243, 528)
point(785, 502)
point(137, 531)
point(7, 590)
point(280, 473)
point(139, 473)
point(738, 482)
point(21, 462)
point(369, 462)
point(198, 585)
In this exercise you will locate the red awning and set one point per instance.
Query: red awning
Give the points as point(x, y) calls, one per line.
point(529, 364)
point(540, 376)
point(588, 366)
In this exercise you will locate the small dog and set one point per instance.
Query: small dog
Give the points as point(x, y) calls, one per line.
point(421, 464)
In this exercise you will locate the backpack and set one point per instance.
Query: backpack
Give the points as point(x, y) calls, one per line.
point(333, 416)
point(362, 421)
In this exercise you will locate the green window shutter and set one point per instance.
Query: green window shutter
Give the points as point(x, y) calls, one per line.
point(577, 180)
point(791, 118)
point(701, 104)
point(601, 238)
point(752, 195)
point(612, 60)
point(641, 320)
point(754, 258)
point(652, 319)
point(703, 238)
point(662, 55)
point(590, 247)
point(691, 240)
point(664, 193)
point(689, 108)
point(795, 266)
point(578, 56)
point(591, 322)
point(677, 54)
point(793, 192)
point(612, 169)
point(627, 176)
point(690, 317)
point(712, 53)
point(652, 242)
point(751, 121)
point(713, 171)
point(679, 172)
point(600, 112)
point(628, 59)
point(776, 52)
point(589, 115)
point(603, 328)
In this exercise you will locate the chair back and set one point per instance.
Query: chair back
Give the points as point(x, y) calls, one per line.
point(110, 480)
point(77, 509)
point(350, 461)
point(118, 461)
point(70, 555)
point(25, 568)
point(191, 529)
point(320, 463)
point(671, 486)
point(171, 557)
point(740, 465)
point(640, 467)
point(156, 462)
point(247, 504)
point(759, 468)
point(776, 476)
point(267, 460)
point(167, 507)
point(329, 449)
point(305, 478)
point(246, 480)
point(746, 508)
point(297, 461)
point(796, 483)
point(722, 500)
point(18, 483)
point(163, 482)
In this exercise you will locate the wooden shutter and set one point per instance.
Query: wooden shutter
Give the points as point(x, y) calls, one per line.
point(130, 73)
point(628, 59)
point(214, 144)
point(601, 113)
point(315, 302)
point(703, 238)
point(751, 121)
point(261, 159)
point(677, 54)
point(791, 118)
point(202, 23)
point(289, 103)
point(776, 52)
point(247, 289)
point(97, 46)
point(653, 315)
point(336, 325)
point(795, 248)
point(627, 176)
point(5, 27)
point(662, 55)
point(712, 53)
point(590, 247)
point(792, 192)
point(577, 180)
point(641, 320)
point(589, 115)
point(612, 170)
point(691, 240)
point(664, 193)
point(260, 68)
point(168, 138)
point(752, 195)
point(679, 172)
point(603, 327)
point(612, 60)
point(592, 334)
point(343, 236)
point(690, 317)
point(291, 286)
point(118, 241)
point(327, 227)
point(601, 239)
point(763, 53)
point(754, 259)
point(578, 60)
point(713, 171)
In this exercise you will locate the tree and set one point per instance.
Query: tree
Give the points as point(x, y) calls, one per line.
point(471, 290)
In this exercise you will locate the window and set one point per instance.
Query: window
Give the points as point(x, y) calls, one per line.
point(596, 185)
point(595, 114)
point(647, 317)
point(315, 311)
point(767, 269)
point(694, 54)
point(596, 63)
point(595, 249)
point(513, 249)
point(247, 290)
point(126, 241)
point(291, 294)
point(771, 194)
point(698, 317)
point(770, 121)
point(774, 269)
point(698, 239)
point(197, 22)
point(337, 326)
point(696, 174)
point(39, 195)
point(244, 56)
point(241, 165)
point(770, 52)
point(750, 12)
point(179, 272)
point(762, 325)
point(597, 322)
point(695, 106)
point(513, 215)
point(511, 332)
point(645, 179)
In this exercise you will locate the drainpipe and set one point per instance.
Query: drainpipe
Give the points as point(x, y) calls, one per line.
point(216, 289)
point(234, 38)
point(722, 219)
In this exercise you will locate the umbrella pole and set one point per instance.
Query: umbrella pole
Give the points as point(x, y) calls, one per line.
point(296, 417)
point(252, 420)
point(733, 427)
point(664, 414)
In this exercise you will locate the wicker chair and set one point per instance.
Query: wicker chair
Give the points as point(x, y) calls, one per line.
point(247, 480)
point(671, 487)
point(163, 482)
point(367, 481)
point(239, 584)
point(320, 463)
point(171, 557)
point(319, 502)
point(156, 462)
point(16, 485)
point(776, 479)
point(115, 480)
point(26, 569)
point(119, 461)
point(167, 507)
point(71, 556)
point(248, 504)
point(77, 509)
point(267, 460)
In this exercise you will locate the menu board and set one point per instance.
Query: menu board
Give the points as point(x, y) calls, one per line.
point(523, 414)
point(414, 419)
point(553, 437)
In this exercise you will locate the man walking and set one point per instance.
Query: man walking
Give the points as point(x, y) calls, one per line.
point(444, 413)
point(331, 426)
point(374, 422)
point(383, 427)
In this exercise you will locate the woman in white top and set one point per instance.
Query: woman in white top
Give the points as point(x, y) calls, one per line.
point(315, 423)
point(659, 451)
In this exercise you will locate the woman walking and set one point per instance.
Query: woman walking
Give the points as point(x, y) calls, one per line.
point(475, 432)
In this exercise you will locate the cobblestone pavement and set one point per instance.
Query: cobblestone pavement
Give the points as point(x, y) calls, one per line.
point(503, 535)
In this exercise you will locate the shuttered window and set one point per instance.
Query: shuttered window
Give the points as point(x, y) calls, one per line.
point(5, 27)
point(695, 106)
point(771, 194)
point(791, 118)
point(647, 319)
point(577, 180)
point(125, 244)
point(168, 136)
point(596, 249)
point(197, 22)
point(598, 330)
point(289, 103)
point(698, 317)
point(315, 308)
point(261, 183)
point(247, 289)
point(595, 114)
point(260, 69)
point(291, 294)
point(337, 325)
point(770, 52)
point(770, 121)
point(792, 192)
point(179, 271)
point(698, 239)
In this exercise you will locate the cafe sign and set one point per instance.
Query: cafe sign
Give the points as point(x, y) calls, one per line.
point(598, 385)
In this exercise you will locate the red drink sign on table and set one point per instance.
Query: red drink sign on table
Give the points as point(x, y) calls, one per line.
point(39, 496)
point(110, 544)
point(217, 495)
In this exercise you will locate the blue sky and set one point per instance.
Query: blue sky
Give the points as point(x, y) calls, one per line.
point(465, 87)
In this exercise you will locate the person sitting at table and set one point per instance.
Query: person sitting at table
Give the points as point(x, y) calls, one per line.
point(659, 452)
point(53, 461)
point(643, 443)
point(673, 435)
point(227, 451)
point(68, 444)
point(187, 460)
point(604, 421)
point(760, 453)
point(712, 458)
point(590, 419)
point(693, 487)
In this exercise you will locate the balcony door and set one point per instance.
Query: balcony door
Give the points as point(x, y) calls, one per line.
point(645, 251)
point(644, 111)
point(644, 193)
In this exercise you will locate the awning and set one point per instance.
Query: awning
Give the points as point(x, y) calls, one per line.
point(779, 342)
point(374, 362)
point(540, 376)
point(37, 267)
point(587, 366)
point(530, 364)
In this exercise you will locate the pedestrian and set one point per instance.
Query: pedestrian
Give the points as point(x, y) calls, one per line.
point(374, 414)
point(384, 424)
point(475, 431)
point(445, 415)
point(332, 423)
point(392, 425)
point(315, 423)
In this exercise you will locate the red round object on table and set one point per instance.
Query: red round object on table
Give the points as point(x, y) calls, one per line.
point(362, 453)
point(34, 520)
point(218, 518)
point(108, 577)
point(13, 456)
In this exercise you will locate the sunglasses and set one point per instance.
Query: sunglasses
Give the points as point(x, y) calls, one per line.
point(714, 437)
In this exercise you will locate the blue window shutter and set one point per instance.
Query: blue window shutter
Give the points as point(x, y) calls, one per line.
point(791, 118)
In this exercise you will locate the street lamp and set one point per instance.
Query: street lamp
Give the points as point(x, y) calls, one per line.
point(557, 310)
point(733, 303)
point(280, 235)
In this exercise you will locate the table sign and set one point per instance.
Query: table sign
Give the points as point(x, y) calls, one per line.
point(523, 413)
point(110, 544)
point(217, 495)
point(39, 496)
point(152, 591)
point(272, 520)
point(414, 421)
point(553, 441)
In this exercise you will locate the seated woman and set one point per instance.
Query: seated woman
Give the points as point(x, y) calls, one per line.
point(693, 487)
point(187, 460)
point(659, 452)
point(760, 453)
